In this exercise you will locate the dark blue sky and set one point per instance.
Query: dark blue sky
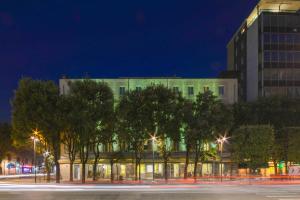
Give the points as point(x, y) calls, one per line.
point(48, 39)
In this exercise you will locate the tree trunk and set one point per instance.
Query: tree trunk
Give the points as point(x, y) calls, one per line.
point(196, 162)
point(95, 168)
point(136, 170)
point(48, 176)
point(275, 167)
point(71, 171)
point(0, 166)
point(286, 167)
point(112, 171)
point(56, 152)
point(187, 161)
point(57, 172)
point(166, 169)
point(136, 167)
point(83, 172)
point(48, 169)
point(139, 170)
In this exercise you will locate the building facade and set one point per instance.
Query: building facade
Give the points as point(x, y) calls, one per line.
point(265, 51)
point(224, 89)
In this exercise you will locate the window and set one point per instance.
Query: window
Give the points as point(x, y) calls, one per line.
point(175, 89)
point(274, 56)
point(221, 90)
point(205, 88)
point(190, 90)
point(267, 56)
point(122, 90)
point(138, 89)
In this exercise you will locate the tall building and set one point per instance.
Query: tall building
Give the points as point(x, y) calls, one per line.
point(224, 89)
point(265, 51)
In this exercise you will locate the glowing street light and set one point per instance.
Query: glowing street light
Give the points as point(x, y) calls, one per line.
point(34, 139)
point(221, 141)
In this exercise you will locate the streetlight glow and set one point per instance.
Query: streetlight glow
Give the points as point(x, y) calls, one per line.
point(221, 141)
point(35, 140)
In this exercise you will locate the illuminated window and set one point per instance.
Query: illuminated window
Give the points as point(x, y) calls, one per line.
point(205, 88)
point(190, 91)
point(138, 89)
point(122, 90)
point(221, 90)
point(175, 89)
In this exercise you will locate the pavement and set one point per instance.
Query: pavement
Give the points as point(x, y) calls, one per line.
point(149, 192)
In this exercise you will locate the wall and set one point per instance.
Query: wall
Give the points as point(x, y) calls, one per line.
point(252, 62)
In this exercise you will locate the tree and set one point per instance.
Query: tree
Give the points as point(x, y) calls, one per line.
point(187, 123)
point(5, 141)
point(69, 136)
point(205, 128)
point(131, 115)
point(35, 107)
point(252, 145)
point(290, 145)
point(105, 122)
point(280, 112)
point(162, 108)
point(93, 102)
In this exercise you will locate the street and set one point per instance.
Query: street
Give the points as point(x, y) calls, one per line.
point(150, 192)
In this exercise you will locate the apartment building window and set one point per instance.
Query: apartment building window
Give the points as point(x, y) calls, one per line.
point(138, 89)
point(221, 90)
point(175, 89)
point(122, 90)
point(190, 90)
point(205, 88)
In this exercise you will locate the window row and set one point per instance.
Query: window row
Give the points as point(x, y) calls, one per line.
point(190, 90)
point(282, 74)
point(282, 56)
point(282, 91)
point(277, 38)
point(282, 20)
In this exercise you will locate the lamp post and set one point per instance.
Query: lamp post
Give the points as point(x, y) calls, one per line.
point(221, 141)
point(34, 139)
point(153, 138)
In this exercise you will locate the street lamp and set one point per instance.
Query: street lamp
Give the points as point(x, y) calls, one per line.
point(221, 141)
point(153, 138)
point(34, 139)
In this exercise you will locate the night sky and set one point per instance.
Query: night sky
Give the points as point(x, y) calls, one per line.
point(48, 39)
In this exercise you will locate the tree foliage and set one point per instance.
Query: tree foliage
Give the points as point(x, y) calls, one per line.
point(92, 116)
point(35, 107)
point(5, 141)
point(132, 124)
point(251, 146)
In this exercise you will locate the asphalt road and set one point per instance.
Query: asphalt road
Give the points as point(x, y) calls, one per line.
point(154, 192)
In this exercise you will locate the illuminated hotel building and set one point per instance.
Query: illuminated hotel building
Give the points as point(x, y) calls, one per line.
point(265, 51)
point(224, 89)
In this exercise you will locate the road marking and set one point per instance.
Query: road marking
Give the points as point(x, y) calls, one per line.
point(281, 196)
point(289, 199)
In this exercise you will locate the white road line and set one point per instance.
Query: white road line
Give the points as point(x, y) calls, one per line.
point(289, 199)
point(282, 196)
